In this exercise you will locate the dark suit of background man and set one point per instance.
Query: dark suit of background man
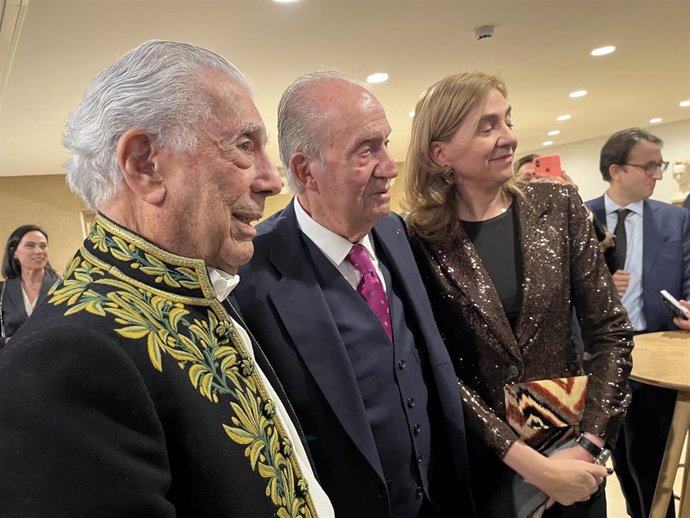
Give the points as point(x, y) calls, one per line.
point(132, 392)
point(653, 254)
point(382, 417)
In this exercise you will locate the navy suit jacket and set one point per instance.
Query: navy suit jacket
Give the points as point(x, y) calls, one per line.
point(283, 305)
point(666, 257)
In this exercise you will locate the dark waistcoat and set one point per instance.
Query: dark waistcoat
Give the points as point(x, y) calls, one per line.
point(391, 384)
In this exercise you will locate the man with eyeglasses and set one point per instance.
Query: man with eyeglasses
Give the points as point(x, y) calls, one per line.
point(653, 254)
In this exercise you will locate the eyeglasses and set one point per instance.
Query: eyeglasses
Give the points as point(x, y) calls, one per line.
point(651, 168)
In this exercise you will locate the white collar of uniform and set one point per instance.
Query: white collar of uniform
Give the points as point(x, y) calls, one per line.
point(332, 245)
point(223, 283)
point(611, 206)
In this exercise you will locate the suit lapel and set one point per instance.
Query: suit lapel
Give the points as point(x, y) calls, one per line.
point(534, 222)
point(14, 296)
point(314, 333)
point(652, 233)
point(467, 272)
point(597, 206)
point(391, 239)
point(48, 281)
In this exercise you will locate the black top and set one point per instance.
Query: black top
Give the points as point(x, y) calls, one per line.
point(496, 241)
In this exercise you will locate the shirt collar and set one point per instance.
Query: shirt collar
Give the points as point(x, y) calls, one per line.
point(611, 206)
point(223, 283)
point(332, 245)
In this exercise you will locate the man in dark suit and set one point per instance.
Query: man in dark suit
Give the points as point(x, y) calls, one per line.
point(133, 391)
point(652, 254)
point(358, 353)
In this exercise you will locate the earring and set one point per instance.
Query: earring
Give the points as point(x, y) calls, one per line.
point(448, 175)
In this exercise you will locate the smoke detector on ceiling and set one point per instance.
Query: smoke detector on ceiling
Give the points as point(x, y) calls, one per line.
point(484, 32)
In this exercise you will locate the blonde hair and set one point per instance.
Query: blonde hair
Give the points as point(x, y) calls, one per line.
point(429, 197)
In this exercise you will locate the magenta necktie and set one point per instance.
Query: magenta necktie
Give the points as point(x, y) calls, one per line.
point(370, 287)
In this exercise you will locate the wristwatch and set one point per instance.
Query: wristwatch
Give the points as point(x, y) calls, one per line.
point(601, 455)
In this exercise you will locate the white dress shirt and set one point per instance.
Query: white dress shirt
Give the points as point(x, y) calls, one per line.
point(632, 298)
point(28, 305)
point(336, 247)
point(223, 284)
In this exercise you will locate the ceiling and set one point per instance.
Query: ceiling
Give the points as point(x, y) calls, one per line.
point(540, 47)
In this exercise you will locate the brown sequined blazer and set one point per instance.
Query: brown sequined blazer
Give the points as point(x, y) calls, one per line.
point(562, 267)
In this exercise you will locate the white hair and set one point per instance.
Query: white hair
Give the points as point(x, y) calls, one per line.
point(157, 87)
point(300, 121)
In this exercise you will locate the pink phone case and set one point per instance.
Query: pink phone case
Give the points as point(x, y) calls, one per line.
point(548, 164)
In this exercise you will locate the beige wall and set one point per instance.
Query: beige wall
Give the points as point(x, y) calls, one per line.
point(45, 201)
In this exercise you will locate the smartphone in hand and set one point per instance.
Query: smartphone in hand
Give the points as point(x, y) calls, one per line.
point(674, 307)
point(548, 165)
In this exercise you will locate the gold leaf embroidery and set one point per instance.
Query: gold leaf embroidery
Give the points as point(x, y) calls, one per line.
point(202, 345)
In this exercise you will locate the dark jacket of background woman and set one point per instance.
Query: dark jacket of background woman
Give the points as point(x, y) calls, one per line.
point(562, 266)
point(12, 302)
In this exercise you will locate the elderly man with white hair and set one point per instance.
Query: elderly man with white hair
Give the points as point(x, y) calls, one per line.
point(134, 390)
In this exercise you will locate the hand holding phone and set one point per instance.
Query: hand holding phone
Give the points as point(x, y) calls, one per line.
point(549, 165)
point(674, 307)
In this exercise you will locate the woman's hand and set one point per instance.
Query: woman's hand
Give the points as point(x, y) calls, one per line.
point(563, 477)
point(568, 481)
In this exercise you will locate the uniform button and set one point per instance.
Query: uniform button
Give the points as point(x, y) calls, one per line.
point(419, 492)
point(419, 459)
point(410, 402)
point(401, 364)
point(513, 371)
point(381, 492)
point(417, 428)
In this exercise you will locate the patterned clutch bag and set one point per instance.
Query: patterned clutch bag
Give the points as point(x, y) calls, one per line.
point(543, 412)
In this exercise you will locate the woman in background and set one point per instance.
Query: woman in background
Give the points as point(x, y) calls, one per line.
point(28, 276)
point(503, 264)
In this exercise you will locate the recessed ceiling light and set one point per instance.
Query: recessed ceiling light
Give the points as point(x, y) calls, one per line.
point(602, 51)
point(655, 120)
point(378, 77)
point(547, 143)
point(564, 117)
point(411, 114)
point(684, 104)
point(577, 93)
point(285, 1)
point(553, 133)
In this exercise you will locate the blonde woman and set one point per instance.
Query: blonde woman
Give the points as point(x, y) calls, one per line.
point(504, 263)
